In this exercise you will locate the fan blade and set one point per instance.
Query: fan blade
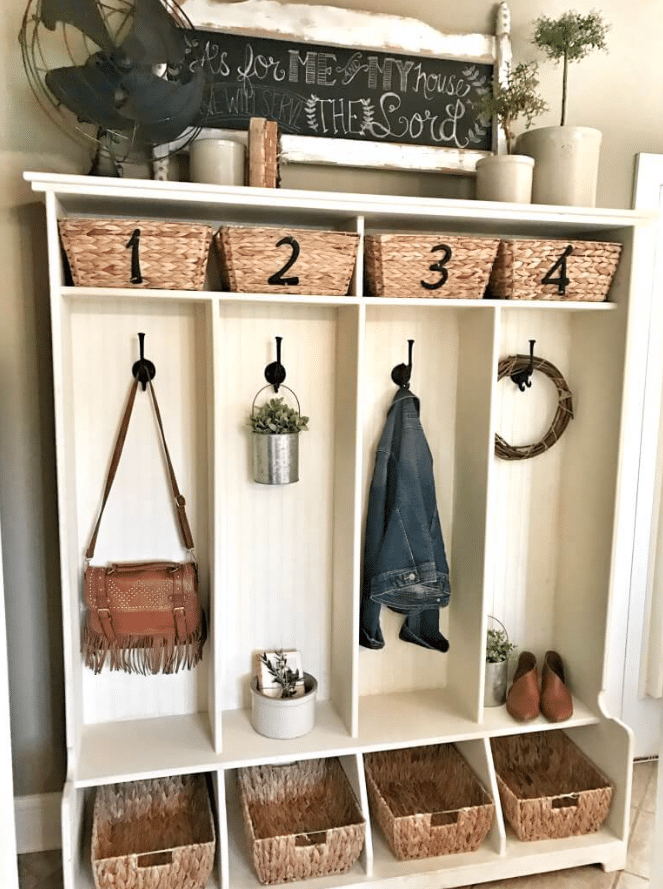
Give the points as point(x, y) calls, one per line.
point(90, 91)
point(154, 38)
point(82, 14)
point(161, 108)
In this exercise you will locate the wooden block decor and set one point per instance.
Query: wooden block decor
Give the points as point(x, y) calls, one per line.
point(263, 153)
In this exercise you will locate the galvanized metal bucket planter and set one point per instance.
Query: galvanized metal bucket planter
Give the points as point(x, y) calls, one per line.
point(276, 456)
point(496, 675)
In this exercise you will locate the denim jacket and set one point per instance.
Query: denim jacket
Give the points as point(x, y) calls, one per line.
point(405, 565)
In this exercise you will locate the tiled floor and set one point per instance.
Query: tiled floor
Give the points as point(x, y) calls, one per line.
point(43, 870)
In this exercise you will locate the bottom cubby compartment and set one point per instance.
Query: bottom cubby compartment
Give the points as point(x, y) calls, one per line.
point(142, 834)
point(549, 789)
point(298, 821)
point(428, 801)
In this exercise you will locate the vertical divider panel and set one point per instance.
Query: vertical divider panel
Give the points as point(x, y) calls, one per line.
point(76, 833)
point(474, 454)
point(357, 283)
point(222, 849)
point(347, 516)
point(353, 766)
point(480, 757)
point(65, 473)
point(217, 526)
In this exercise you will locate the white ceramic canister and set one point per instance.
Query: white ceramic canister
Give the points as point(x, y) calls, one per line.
point(217, 161)
point(505, 177)
point(566, 164)
point(284, 717)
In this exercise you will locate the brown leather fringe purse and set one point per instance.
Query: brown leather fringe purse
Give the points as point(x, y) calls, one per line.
point(144, 616)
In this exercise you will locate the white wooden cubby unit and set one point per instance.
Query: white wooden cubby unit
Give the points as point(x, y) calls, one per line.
point(543, 544)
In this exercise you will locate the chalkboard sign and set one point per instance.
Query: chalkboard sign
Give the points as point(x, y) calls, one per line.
point(344, 93)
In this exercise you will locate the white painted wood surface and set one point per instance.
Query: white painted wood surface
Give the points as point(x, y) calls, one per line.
point(543, 543)
point(331, 25)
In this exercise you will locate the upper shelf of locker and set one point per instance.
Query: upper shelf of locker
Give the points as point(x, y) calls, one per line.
point(241, 204)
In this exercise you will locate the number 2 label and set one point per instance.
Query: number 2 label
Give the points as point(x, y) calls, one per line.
point(277, 278)
point(134, 241)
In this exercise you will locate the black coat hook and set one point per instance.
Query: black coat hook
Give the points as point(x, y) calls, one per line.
point(402, 372)
point(275, 372)
point(143, 369)
point(522, 377)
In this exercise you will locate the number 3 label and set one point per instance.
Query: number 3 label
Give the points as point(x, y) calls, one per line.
point(439, 266)
point(277, 278)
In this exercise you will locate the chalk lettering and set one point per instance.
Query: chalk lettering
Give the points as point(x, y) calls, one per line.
point(308, 62)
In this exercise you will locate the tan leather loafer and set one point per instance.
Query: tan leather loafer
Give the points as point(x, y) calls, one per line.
point(522, 701)
point(556, 700)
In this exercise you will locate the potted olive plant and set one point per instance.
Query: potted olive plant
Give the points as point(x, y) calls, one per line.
point(276, 427)
point(498, 649)
point(566, 157)
point(508, 177)
point(291, 713)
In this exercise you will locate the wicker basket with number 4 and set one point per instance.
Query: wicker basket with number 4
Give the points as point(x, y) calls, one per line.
point(554, 270)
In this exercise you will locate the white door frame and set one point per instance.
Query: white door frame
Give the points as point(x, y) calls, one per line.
point(8, 864)
point(628, 631)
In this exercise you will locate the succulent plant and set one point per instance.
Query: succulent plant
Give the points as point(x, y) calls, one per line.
point(498, 647)
point(275, 417)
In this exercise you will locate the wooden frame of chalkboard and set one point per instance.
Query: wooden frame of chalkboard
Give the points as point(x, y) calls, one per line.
point(351, 88)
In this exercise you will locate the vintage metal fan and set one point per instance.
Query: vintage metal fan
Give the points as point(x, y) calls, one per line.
point(123, 66)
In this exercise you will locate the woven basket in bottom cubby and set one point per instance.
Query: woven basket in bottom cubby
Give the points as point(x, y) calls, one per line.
point(156, 834)
point(400, 265)
point(301, 820)
point(521, 266)
point(549, 789)
point(428, 801)
point(309, 262)
point(108, 252)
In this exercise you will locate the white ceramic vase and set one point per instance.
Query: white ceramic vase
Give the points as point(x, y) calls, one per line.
point(505, 177)
point(217, 161)
point(283, 718)
point(566, 164)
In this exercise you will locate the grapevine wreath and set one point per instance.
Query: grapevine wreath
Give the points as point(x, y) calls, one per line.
point(564, 414)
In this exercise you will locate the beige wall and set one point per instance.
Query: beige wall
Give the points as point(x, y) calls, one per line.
point(620, 93)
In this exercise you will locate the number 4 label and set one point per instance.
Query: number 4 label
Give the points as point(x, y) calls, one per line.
point(561, 280)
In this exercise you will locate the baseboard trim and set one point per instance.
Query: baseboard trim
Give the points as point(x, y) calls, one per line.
point(38, 822)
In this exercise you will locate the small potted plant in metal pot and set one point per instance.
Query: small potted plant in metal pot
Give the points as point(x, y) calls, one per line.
point(566, 157)
point(276, 427)
point(508, 177)
point(498, 649)
point(287, 708)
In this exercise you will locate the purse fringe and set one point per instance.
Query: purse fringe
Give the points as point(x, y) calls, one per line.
point(147, 655)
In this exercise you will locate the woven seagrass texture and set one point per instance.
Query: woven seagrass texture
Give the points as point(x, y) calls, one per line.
point(300, 820)
point(156, 834)
point(397, 264)
point(172, 255)
point(549, 789)
point(563, 414)
point(521, 265)
point(249, 257)
point(428, 801)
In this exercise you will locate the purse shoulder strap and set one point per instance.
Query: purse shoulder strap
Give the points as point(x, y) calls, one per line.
point(180, 502)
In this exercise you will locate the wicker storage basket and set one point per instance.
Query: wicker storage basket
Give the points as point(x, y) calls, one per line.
point(548, 787)
point(104, 252)
point(156, 834)
point(251, 261)
point(428, 801)
point(300, 820)
point(400, 265)
point(521, 266)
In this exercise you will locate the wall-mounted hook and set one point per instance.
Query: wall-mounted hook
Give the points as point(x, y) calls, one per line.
point(522, 377)
point(402, 372)
point(143, 369)
point(275, 372)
